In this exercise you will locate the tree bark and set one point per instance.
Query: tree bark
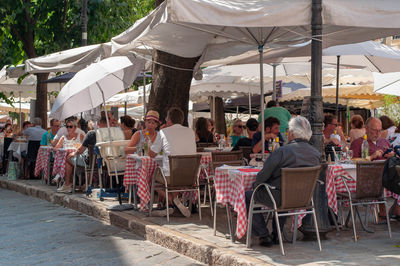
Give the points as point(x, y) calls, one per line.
point(41, 98)
point(220, 125)
point(170, 86)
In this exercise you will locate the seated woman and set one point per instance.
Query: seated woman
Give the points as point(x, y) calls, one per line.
point(203, 135)
point(148, 134)
point(71, 139)
point(128, 126)
point(237, 131)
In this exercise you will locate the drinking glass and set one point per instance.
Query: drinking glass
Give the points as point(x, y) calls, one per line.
point(349, 154)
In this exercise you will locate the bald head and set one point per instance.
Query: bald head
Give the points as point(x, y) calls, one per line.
point(373, 128)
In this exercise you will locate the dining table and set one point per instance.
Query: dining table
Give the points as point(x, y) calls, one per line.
point(43, 161)
point(60, 158)
point(139, 171)
point(334, 183)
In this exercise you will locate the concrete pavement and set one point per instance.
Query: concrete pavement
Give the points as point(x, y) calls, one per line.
point(36, 232)
point(195, 239)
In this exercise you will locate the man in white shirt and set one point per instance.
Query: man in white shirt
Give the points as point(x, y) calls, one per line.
point(63, 131)
point(175, 139)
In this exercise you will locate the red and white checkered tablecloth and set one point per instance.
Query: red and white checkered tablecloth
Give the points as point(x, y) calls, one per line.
point(43, 160)
point(206, 161)
point(142, 176)
point(60, 161)
point(230, 186)
point(334, 183)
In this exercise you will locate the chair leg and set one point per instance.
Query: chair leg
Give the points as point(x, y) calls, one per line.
point(278, 227)
point(73, 178)
point(166, 203)
point(295, 230)
point(198, 198)
point(215, 217)
point(387, 220)
point(353, 221)
point(210, 197)
point(151, 197)
point(316, 229)
point(249, 225)
point(129, 194)
point(228, 213)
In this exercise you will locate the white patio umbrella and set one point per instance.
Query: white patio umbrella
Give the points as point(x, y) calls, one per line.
point(95, 84)
point(219, 29)
point(388, 83)
point(130, 97)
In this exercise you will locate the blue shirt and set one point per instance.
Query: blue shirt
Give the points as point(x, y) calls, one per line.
point(34, 133)
point(257, 137)
point(44, 138)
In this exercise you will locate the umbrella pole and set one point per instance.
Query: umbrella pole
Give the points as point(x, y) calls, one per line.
point(337, 86)
point(144, 94)
point(260, 51)
point(274, 82)
point(125, 104)
point(20, 114)
point(112, 150)
point(213, 114)
point(249, 104)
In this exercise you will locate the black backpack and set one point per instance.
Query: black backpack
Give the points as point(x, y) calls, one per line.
point(390, 178)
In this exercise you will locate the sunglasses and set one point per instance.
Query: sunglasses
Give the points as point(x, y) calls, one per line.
point(69, 126)
point(241, 126)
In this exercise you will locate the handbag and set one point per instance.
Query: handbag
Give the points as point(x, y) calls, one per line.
point(390, 177)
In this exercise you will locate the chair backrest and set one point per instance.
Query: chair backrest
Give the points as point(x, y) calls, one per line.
point(33, 149)
point(247, 150)
point(103, 135)
point(369, 179)
point(298, 186)
point(7, 142)
point(219, 158)
point(184, 170)
point(204, 145)
point(113, 154)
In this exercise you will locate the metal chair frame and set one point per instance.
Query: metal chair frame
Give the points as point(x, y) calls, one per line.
point(288, 211)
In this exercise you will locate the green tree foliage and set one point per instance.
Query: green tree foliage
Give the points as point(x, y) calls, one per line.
point(391, 107)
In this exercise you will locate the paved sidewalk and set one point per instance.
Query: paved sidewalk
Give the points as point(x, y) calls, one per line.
point(195, 239)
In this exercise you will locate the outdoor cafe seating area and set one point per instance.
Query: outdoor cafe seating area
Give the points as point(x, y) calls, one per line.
point(215, 177)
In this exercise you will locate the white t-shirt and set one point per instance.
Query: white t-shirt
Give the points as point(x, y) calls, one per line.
point(174, 140)
point(63, 132)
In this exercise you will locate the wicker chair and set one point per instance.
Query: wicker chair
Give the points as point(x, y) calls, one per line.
point(369, 190)
point(184, 176)
point(298, 186)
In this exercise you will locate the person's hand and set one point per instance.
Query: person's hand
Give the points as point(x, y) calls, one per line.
point(335, 141)
point(377, 154)
point(389, 154)
point(73, 154)
point(268, 136)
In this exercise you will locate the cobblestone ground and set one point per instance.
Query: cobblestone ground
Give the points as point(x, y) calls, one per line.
point(36, 232)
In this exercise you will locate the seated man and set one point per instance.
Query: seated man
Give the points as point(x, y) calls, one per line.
point(174, 139)
point(297, 153)
point(271, 131)
point(377, 145)
point(50, 134)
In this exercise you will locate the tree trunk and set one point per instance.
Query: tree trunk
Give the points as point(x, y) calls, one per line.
point(219, 117)
point(41, 98)
point(170, 86)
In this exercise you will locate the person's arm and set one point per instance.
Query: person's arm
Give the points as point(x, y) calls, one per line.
point(60, 143)
point(131, 148)
point(156, 147)
point(258, 146)
point(270, 165)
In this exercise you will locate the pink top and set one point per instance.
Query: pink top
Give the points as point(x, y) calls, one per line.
point(356, 133)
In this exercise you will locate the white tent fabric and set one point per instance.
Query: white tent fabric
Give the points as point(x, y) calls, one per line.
point(27, 86)
point(130, 97)
point(388, 83)
point(71, 60)
point(370, 55)
point(5, 107)
point(219, 29)
point(85, 90)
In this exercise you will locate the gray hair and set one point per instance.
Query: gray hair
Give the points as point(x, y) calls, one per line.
point(300, 128)
point(37, 121)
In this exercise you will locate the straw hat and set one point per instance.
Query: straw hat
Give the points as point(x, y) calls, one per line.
point(151, 114)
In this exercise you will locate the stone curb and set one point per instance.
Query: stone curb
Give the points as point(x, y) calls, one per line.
point(184, 244)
